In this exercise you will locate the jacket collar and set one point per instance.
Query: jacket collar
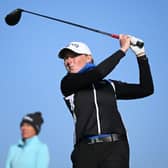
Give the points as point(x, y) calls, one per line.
point(28, 141)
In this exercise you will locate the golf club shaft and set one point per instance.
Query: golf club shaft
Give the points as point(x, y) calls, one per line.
point(73, 24)
point(14, 17)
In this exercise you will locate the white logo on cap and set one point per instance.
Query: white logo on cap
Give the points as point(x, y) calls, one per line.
point(75, 45)
point(28, 118)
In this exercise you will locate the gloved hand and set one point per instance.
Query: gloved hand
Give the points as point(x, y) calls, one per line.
point(136, 49)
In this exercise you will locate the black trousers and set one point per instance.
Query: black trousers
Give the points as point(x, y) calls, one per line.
point(101, 155)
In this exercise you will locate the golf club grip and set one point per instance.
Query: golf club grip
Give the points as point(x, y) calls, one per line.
point(116, 36)
point(138, 43)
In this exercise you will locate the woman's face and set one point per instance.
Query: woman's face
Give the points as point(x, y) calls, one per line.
point(74, 63)
point(27, 131)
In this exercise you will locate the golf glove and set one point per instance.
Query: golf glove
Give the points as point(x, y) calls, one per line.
point(136, 49)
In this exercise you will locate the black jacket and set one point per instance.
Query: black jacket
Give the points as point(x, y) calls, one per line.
point(92, 100)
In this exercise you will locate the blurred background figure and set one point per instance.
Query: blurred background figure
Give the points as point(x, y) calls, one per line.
point(29, 152)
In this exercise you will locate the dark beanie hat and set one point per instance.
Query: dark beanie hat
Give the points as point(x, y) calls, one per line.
point(35, 119)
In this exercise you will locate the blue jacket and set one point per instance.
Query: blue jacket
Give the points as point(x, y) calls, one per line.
point(29, 154)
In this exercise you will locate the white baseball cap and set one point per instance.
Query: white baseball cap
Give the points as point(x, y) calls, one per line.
point(77, 47)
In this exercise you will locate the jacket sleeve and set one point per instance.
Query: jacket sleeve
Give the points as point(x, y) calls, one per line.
point(142, 89)
point(74, 82)
point(8, 159)
point(43, 157)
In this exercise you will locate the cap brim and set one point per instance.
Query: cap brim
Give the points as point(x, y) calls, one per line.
point(63, 51)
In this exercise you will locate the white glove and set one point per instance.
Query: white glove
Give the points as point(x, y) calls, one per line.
point(136, 49)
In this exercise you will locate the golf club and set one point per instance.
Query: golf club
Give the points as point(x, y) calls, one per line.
point(14, 17)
